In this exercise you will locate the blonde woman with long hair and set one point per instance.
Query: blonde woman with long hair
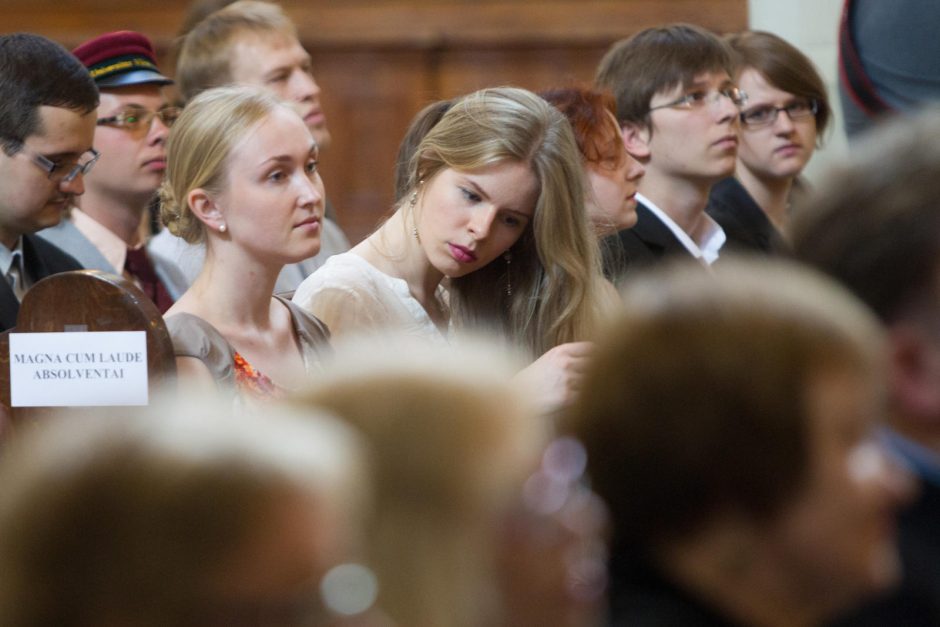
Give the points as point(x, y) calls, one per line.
point(494, 209)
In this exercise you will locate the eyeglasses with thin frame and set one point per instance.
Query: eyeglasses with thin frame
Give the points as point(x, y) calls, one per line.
point(137, 118)
point(765, 115)
point(699, 98)
point(62, 171)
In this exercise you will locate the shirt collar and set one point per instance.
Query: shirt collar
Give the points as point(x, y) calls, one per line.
point(712, 240)
point(8, 256)
point(112, 247)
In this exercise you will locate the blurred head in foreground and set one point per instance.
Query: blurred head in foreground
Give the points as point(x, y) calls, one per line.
point(728, 421)
point(455, 451)
point(177, 516)
point(875, 227)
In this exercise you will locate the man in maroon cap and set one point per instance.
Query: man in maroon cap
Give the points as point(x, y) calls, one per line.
point(103, 230)
point(47, 124)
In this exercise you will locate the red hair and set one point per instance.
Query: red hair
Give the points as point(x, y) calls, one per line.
point(589, 113)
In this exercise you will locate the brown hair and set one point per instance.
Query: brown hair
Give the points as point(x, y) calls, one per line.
point(657, 60)
point(206, 51)
point(35, 72)
point(784, 67)
point(422, 122)
point(696, 402)
point(875, 225)
point(597, 135)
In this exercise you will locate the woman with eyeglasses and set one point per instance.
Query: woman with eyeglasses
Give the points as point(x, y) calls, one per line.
point(787, 111)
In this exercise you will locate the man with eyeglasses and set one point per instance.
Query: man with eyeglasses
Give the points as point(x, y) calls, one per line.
point(678, 111)
point(47, 124)
point(103, 230)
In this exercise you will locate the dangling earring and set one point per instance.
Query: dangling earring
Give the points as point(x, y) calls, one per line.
point(508, 257)
point(411, 205)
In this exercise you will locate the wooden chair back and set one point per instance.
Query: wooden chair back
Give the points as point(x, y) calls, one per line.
point(87, 300)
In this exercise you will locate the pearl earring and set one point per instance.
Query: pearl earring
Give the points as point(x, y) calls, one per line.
point(222, 228)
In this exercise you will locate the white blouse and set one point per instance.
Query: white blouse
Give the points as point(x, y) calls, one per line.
point(350, 295)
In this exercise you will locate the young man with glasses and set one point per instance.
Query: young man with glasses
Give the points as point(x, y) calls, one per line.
point(103, 230)
point(678, 111)
point(47, 124)
point(786, 113)
point(252, 43)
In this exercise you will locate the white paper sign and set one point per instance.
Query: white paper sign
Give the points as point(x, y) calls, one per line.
point(78, 369)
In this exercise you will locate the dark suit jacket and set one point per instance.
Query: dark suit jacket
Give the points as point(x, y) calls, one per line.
point(648, 242)
point(641, 596)
point(40, 259)
point(745, 224)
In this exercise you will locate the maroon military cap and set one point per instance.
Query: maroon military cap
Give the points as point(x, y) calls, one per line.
point(121, 58)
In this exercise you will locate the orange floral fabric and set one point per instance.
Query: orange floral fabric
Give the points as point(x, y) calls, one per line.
point(254, 383)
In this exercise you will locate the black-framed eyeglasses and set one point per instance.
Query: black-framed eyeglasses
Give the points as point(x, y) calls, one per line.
point(766, 115)
point(698, 99)
point(62, 171)
point(136, 118)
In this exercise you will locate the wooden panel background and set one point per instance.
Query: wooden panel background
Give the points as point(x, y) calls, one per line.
point(379, 61)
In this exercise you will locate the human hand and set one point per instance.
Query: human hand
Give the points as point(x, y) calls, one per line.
point(554, 379)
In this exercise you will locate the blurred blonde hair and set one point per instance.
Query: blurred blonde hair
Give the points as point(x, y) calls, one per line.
point(451, 444)
point(131, 518)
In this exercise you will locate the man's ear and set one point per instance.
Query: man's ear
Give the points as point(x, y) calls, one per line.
point(636, 138)
point(914, 362)
point(205, 208)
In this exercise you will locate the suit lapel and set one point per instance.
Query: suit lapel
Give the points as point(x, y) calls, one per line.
point(656, 235)
point(33, 262)
point(9, 306)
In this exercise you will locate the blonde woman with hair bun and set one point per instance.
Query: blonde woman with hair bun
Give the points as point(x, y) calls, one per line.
point(242, 177)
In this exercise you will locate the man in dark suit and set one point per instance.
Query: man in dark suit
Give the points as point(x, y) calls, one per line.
point(47, 123)
point(875, 226)
point(678, 110)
